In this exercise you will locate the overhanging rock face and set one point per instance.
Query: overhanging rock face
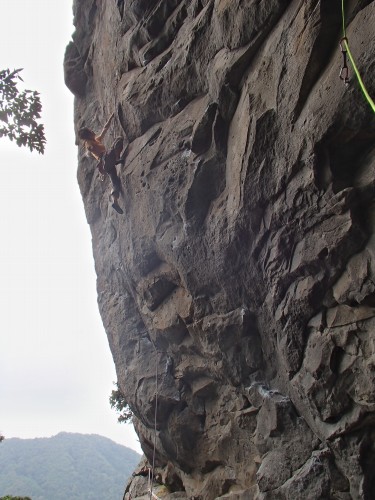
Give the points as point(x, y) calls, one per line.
point(242, 272)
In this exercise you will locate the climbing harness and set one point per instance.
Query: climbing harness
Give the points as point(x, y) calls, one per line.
point(344, 72)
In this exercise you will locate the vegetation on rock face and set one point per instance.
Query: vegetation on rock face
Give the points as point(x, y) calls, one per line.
point(83, 467)
point(19, 113)
point(8, 497)
point(118, 402)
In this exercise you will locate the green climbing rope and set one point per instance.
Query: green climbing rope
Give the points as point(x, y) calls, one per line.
point(346, 45)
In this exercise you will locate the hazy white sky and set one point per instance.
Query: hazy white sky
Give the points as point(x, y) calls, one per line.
point(56, 370)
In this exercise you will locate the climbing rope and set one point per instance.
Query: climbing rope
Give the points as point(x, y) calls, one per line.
point(344, 73)
point(151, 471)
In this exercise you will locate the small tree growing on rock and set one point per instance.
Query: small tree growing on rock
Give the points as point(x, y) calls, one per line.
point(19, 113)
point(118, 402)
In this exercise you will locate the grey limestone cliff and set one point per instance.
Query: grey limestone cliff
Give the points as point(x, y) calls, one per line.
point(242, 272)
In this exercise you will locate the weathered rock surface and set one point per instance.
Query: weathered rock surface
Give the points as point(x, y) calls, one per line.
point(240, 282)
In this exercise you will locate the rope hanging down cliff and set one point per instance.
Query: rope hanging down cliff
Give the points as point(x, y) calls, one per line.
point(152, 469)
point(344, 73)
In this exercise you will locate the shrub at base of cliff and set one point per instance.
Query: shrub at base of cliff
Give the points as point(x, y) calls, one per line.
point(14, 498)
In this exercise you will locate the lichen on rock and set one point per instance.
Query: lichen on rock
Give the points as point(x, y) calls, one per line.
point(240, 281)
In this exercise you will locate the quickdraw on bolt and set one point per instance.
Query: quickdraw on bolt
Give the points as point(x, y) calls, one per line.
point(344, 71)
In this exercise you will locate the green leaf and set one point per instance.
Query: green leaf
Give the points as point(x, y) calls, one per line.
point(20, 110)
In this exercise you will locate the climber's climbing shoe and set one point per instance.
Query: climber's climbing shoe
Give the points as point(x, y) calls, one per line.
point(117, 207)
point(121, 160)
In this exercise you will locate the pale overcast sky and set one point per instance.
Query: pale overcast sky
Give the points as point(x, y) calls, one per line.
point(56, 369)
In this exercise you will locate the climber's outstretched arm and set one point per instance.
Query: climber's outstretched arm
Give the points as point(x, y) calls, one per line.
point(105, 129)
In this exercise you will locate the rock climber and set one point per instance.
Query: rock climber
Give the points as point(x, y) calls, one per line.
point(107, 160)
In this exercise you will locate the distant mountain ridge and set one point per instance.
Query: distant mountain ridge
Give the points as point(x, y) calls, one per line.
point(65, 466)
